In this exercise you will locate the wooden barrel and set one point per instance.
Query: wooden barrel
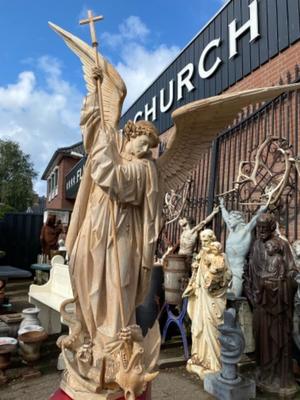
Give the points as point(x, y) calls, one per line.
point(175, 278)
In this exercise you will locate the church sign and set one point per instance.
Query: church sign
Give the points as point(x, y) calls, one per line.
point(73, 179)
point(242, 37)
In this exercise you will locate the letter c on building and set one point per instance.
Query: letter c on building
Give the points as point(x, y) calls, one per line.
point(204, 74)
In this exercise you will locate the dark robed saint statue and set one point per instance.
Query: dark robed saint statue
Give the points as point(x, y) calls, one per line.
point(270, 288)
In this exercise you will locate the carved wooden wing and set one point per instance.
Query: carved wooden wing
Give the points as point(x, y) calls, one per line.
point(113, 87)
point(198, 123)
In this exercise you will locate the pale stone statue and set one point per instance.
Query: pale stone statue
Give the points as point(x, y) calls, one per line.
point(238, 243)
point(296, 253)
point(116, 222)
point(206, 292)
point(190, 233)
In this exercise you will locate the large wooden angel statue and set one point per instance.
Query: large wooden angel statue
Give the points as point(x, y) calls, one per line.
point(116, 221)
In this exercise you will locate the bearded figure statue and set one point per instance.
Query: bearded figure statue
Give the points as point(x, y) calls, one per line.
point(270, 287)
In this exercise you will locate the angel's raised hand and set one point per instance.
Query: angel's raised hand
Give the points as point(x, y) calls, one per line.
point(97, 73)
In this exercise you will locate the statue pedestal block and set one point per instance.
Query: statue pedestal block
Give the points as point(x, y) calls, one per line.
point(244, 389)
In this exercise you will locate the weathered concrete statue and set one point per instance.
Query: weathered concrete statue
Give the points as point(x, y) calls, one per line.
point(116, 222)
point(188, 237)
point(270, 287)
point(296, 253)
point(238, 244)
point(207, 302)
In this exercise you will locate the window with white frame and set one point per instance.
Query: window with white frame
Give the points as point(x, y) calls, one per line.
point(53, 184)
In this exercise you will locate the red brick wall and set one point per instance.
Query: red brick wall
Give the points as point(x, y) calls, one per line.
point(271, 72)
point(59, 201)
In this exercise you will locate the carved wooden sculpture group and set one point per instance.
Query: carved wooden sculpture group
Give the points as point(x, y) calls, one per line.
point(114, 228)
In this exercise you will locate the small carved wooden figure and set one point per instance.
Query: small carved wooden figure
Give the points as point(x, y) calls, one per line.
point(270, 287)
point(207, 302)
point(188, 237)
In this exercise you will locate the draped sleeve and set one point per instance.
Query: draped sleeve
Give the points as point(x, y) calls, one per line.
point(123, 182)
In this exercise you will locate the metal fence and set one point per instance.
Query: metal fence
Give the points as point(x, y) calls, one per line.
point(20, 239)
point(218, 169)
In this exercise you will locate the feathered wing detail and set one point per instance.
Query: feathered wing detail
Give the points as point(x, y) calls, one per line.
point(198, 123)
point(113, 87)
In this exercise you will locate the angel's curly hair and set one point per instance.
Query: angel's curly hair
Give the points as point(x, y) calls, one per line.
point(134, 129)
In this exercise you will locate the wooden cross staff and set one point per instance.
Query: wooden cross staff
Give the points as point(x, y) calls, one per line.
point(90, 20)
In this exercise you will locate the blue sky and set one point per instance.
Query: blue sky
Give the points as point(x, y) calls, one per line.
point(41, 84)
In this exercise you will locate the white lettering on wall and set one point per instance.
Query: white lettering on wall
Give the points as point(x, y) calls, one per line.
point(204, 74)
point(184, 79)
point(75, 178)
point(251, 24)
point(137, 116)
point(185, 75)
point(165, 107)
point(79, 172)
point(151, 111)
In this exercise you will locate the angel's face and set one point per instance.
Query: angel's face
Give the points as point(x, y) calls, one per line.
point(140, 146)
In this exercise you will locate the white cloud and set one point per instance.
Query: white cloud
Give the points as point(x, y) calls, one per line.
point(133, 28)
point(40, 119)
point(139, 63)
point(147, 65)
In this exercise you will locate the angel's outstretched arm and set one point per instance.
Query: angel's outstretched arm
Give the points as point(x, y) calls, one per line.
point(208, 219)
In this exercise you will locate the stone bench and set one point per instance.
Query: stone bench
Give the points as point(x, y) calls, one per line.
point(50, 296)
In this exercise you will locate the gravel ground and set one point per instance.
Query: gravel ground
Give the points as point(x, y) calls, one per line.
point(173, 384)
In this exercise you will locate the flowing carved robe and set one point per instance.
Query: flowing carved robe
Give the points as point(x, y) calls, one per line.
point(206, 311)
point(132, 184)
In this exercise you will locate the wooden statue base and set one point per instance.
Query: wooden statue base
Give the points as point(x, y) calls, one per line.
point(66, 393)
